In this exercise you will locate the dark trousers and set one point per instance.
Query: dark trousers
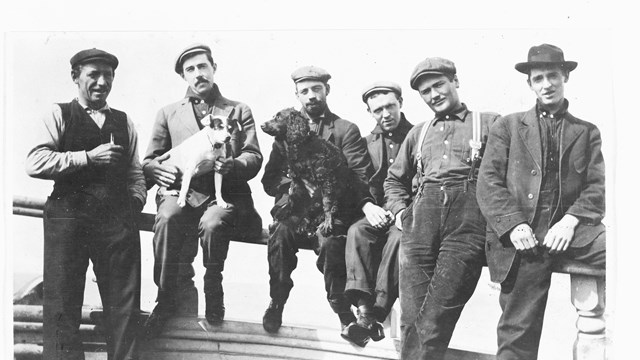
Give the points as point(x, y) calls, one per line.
point(372, 265)
point(282, 249)
point(175, 246)
point(79, 228)
point(524, 293)
point(441, 258)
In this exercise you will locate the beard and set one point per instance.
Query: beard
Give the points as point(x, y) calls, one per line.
point(315, 109)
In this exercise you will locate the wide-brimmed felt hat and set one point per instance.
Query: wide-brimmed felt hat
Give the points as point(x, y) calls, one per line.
point(545, 55)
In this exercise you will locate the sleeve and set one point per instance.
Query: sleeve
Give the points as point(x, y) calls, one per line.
point(247, 164)
point(274, 179)
point(135, 178)
point(398, 189)
point(496, 202)
point(45, 160)
point(590, 204)
point(355, 150)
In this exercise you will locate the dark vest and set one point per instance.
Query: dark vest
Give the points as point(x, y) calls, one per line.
point(82, 133)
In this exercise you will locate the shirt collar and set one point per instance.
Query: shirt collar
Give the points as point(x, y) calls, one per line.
point(89, 110)
point(317, 119)
point(209, 99)
point(390, 134)
point(542, 111)
point(460, 114)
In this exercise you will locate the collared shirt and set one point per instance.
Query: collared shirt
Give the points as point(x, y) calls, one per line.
point(45, 161)
point(550, 134)
point(202, 106)
point(315, 124)
point(98, 116)
point(446, 153)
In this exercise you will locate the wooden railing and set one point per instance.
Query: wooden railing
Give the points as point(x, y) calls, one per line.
point(587, 293)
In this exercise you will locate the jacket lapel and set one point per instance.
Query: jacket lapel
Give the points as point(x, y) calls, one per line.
point(570, 132)
point(187, 118)
point(530, 135)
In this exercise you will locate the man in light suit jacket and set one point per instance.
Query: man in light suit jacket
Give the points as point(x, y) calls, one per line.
point(177, 229)
point(541, 188)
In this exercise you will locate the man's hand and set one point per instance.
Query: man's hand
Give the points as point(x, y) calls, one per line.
point(560, 235)
point(311, 189)
point(378, 217)
point(223, 165)
point(399, 219)
point(523, 238)
point(105, 155)
point(162, 175)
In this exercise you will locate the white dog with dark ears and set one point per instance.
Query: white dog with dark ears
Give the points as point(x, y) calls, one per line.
point(197, 155)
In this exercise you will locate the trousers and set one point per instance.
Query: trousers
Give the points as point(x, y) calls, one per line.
point(79, 228)
point(441, 258)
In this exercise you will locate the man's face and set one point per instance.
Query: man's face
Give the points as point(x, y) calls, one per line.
point(385, 109)
point(439, 93)
point(94, 83)
point(548, 84)
point(312, 94)
point(198, 72)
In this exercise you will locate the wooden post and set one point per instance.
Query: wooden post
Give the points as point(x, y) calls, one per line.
point(588, 297)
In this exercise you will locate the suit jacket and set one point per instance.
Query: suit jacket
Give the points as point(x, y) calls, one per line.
point(177, 122)
point(375, 144)
point(346, 136)
point(511, 177)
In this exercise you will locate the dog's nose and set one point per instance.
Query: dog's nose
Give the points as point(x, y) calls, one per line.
point(227, 139)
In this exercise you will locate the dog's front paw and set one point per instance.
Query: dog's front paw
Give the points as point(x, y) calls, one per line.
point(182, 201)
point(222, 204)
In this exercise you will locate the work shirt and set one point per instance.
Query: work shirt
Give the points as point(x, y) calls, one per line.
point(46, 161)
point(446, 155)
point(202, 106)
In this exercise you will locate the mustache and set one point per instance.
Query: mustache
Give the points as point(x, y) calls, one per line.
point(201, 80)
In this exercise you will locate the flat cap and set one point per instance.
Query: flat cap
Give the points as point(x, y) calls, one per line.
point(379, 86)
point(94, 55)
point(434, 65)
point(310, 73)
point(189, 51)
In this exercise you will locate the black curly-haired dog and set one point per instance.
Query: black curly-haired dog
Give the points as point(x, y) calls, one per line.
point(315, 160)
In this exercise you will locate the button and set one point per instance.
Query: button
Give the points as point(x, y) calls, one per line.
point(423, 331)
point(441, 128)
point(204, 112)
point(530, 196)
point(534, 173)
point(197, 101)
point(390, 134)
point(391, 146)
point(446, 142)
point(444, 156)
point(391, 161)
point(446, 117)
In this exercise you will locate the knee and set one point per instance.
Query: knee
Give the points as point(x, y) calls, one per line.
point(212, 226)
point(165, 218)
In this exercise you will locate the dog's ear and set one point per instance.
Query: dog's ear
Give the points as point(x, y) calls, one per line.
point(297, 127)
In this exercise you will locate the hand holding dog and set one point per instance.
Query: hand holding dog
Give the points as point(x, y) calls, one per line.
point(162, 175)
point(105, 155)
point(223, 166)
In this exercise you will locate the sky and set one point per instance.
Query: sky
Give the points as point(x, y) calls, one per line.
point(257, 46)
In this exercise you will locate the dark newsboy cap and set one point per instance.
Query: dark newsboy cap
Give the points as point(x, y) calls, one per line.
point(379, 86)
point(434, 65)
point(94, 55)
point(190, 51)
point(310, 73)
point(545, 55)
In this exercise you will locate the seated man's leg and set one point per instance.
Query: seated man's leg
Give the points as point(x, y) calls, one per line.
point(281, 255)
point(388, 273)
point(167, 242)
point(215, 230)
point(362, 255)
point(594, 253)
point(187, 294)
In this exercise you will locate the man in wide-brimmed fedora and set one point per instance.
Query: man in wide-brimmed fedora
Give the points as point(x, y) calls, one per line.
point(541, 188)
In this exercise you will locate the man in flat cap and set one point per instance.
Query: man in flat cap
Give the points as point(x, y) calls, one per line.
point(177, 228)
point(90, 150)
point(541, 187)
point(442, 246)
point(373, 241)
point(312, 88)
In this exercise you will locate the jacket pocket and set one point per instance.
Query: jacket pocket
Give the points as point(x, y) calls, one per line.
point(580, 164)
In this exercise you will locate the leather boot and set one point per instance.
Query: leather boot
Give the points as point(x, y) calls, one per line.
point(365, 328)
point(214, 311)
point(157, 319)
point(272, 319)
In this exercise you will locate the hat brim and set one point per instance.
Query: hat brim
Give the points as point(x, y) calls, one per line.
point(414, 82)
point(526, 67)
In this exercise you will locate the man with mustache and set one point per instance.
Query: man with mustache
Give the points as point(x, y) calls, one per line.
point(373, 241)
point(312, 88)
point(541, 187)
point(442, 245)
point(90, 150)
point(177, 228)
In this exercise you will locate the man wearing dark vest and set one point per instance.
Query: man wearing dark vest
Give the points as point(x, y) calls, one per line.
point(90, 150)
point(373, 241)
point(541, 187)
point(177, 229)
point(442, 244)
